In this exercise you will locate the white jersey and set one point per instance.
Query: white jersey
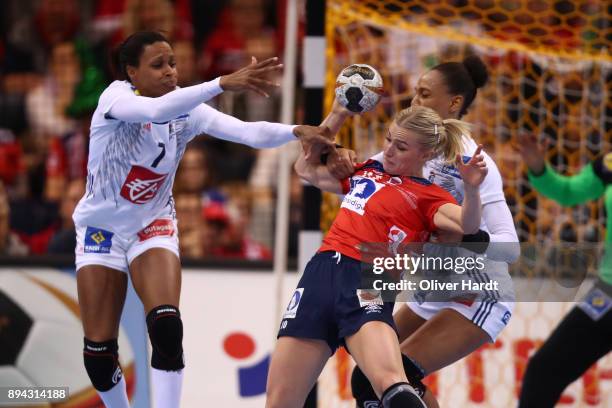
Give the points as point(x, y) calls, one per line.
point(447, 176)
point(135, 147)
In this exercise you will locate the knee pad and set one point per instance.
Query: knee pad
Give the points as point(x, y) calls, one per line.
point(401, 395)
point(102, 363)
point(414, 374)
point(362, 389)
point(166, 334)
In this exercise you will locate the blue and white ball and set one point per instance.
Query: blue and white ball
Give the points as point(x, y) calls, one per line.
point(359, 87)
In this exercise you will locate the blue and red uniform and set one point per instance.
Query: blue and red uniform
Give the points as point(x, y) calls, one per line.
point(377, 208)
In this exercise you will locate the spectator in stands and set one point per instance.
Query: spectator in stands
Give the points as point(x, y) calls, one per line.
point(214, 236)
point(67, 153)
point(241, 30)
point(172, 18)
point(189, 211)
point(227, 224)
point(64, 239)
point(10, 244)
point(12, 169)
point(32, 35)
point(32, 218)
point(193, 174)
point(240, 243)
point(184, 54)
point(46, 104)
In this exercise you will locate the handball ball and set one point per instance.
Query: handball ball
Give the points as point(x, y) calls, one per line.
point(359, 87)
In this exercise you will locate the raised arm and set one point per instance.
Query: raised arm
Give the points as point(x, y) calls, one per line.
point(465, 219)
point(313, 171)
point(317, 174)
point(130, 107)
point(204, 119)
point(566, 190)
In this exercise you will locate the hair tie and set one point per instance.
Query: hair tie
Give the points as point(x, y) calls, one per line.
point(437, 133)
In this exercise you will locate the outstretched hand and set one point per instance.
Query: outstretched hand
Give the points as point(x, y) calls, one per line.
point(252, 77)
point(474, 171)
point(532, 151)
point(316, 140)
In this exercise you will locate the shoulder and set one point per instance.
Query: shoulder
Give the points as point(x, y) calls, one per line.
point(435, 192)
point(369, 164)
point(114, 91)
point(425, 190)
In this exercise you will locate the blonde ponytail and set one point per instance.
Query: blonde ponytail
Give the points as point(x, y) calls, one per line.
point(451, 140)
point(441, 137)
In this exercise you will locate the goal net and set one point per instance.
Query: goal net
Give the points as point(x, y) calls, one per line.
point(550, 73)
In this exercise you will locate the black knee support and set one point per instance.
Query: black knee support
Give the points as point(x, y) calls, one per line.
point(401, 395)
point(362, 389)
point(414, 374)
point(166, 334)
point(102, 363)
point(364, 393)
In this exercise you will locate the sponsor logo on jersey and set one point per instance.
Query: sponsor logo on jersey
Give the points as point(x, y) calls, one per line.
point(146, 127)
point(372, 404)
point(141, 185)
point(362, 189)
point(292, 308)
point(97, 241)
point(157, 228)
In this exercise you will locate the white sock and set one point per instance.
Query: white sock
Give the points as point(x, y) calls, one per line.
point(166, 388)
point(116, 397)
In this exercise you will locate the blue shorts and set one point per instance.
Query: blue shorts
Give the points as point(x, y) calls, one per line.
point(328, 304)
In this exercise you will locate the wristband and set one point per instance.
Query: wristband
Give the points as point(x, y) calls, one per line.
point(478, 242)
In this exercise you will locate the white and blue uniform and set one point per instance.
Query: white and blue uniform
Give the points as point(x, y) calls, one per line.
point(135, 147)
point(493, 313)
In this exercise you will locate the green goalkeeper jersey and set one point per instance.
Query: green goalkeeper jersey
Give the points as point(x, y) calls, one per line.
point(593, 181)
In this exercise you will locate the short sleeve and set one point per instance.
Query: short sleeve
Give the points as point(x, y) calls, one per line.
point(435, 198)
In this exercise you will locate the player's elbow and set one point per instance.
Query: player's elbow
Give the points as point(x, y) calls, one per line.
point(512, 251)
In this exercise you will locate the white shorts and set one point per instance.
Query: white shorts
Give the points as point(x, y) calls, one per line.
point(97, 246)
point(491, 316)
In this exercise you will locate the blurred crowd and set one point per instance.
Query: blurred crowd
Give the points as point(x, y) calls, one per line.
point(54, 63)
